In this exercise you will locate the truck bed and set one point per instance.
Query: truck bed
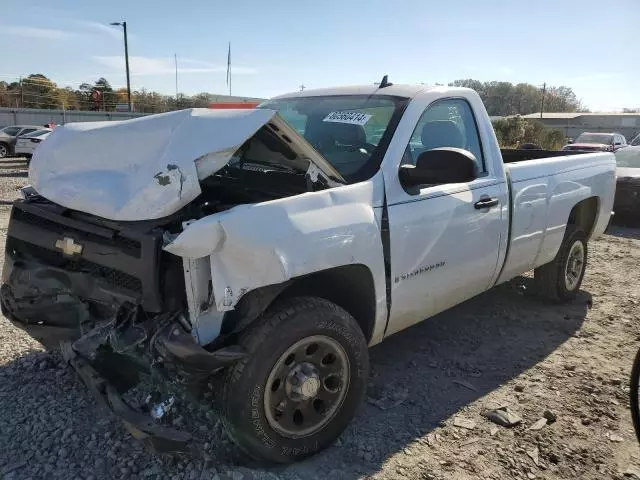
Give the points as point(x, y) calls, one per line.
point(545, 185)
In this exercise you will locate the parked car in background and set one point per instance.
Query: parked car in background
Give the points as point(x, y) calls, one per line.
point(627, 200)
point(597, 142)
point(8, 136)
point(26, 144)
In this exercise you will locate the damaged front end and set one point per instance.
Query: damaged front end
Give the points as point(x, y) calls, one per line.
point(115, 303)
point(158, 347)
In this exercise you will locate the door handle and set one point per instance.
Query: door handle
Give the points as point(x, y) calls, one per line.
point(486, 203)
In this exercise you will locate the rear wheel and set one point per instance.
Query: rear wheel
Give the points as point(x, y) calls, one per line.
point(301, 384)
point(561, 278)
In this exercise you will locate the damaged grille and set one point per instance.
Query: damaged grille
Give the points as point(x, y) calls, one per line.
point(126, 258)
point(128, 245)
point(114, 277)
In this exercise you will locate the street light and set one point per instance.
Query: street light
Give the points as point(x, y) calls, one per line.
point(126, 58)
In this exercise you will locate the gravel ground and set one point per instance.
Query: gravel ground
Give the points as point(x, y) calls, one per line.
point(430, 389)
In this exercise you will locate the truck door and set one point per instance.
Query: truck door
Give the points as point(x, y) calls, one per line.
point(445, 240)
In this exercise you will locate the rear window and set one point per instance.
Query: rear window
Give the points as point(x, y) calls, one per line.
point(10, 130)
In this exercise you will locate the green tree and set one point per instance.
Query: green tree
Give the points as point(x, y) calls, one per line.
point(37, 91)
point(504, 98)
point(514, 131)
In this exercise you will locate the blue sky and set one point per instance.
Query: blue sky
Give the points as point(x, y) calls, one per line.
point(591, 46)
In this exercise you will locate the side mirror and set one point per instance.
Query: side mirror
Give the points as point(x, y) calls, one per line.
point(440, 166)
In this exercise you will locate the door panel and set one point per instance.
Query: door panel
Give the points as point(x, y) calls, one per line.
point(443, 249)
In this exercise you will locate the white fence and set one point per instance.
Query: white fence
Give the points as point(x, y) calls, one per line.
point(35, 116)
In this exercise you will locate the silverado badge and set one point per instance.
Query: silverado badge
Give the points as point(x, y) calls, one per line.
point(69, 247)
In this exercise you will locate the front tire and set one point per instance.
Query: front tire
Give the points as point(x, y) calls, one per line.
point(301, 384)
point(560, 279)
point(4, 150)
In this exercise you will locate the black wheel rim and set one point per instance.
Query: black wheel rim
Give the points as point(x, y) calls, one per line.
point(307, 386)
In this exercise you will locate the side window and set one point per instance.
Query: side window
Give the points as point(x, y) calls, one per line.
point(446, 123)
point(24, 131)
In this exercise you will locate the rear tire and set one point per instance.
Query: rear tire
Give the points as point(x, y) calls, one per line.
point(560, 279)
point(301, 384)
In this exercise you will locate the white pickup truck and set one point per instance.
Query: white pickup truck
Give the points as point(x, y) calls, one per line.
point(272, 246)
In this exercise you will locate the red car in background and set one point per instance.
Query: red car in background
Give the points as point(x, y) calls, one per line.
point(597, 142)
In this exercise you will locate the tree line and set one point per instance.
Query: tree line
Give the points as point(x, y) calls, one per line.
point(504, 98)
point(38, 91)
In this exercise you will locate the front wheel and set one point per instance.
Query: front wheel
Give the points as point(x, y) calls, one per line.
point(561, 278)
point(4, 150)
point(301, 384)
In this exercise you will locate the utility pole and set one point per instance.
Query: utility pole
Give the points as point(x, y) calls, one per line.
point(544, 90)
point(175, 57)
point(302, 87)
point(229, 68)
point(21, 94)
point(126, 59)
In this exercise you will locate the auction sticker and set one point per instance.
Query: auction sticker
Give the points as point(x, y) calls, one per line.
point(353, 118)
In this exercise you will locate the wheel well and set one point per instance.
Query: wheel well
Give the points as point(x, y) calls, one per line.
point(350, 287)
point(584, 214)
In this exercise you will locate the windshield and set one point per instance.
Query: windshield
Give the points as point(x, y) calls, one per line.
point(351, 132)
point(595, 138)
point(636, 142)
point(37, 133)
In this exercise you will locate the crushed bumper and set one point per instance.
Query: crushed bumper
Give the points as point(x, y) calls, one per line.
point(157, 437)
point(179, 358)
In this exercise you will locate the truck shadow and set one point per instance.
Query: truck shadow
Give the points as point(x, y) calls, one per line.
point(421, 377)
point(629, 229)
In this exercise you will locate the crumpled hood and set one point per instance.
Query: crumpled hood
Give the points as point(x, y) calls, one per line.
point(148, 167)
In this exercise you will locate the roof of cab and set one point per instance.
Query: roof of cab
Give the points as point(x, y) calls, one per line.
point(407, 91)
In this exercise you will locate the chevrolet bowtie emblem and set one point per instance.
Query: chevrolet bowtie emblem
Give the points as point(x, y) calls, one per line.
point(69, 247)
